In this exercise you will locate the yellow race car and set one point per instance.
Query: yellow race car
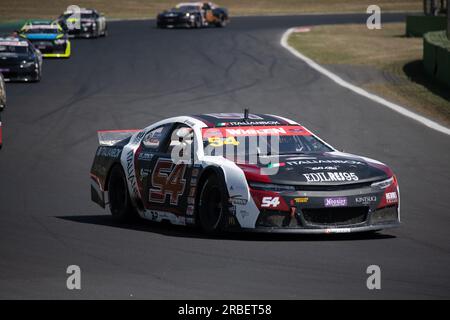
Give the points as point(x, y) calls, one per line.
point(48, 37)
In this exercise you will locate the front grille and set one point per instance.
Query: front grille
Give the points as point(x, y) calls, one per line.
point(333, 187)
point(335, 216)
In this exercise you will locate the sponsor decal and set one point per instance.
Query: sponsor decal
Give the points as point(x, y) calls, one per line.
point(301, 200)
point(315, 161)
point(189, 123)
point(330, 176)
point(338, 230)
point(365, 199)
point(238, 201)
point(391, 197)
point(144, 173)
point(108, 152)
point(322, 168)
point(268, 202)
point(247, 123)
point(138, 137)
point(190, 210)
point(335, 202)
point(255, 131)
point(130, 172)
point(145, 156)
point(14, 43)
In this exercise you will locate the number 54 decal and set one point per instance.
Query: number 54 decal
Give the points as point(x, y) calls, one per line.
point(268, 202)
point(167, 179)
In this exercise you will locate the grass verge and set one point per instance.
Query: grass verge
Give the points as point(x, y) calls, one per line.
point(396, 59)
point(27, 9)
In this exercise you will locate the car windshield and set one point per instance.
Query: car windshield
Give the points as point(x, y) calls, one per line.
point(90, 15)
point(12, 48)
point(185, 8)
point(268, 140)
point(41, 30)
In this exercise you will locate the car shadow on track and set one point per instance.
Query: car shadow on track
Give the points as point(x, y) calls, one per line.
point(190, 232)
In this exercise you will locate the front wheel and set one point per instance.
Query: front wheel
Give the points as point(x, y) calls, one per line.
point(212, 206)
point(119, 199)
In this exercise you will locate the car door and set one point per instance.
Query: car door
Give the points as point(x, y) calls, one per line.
point(170, 182)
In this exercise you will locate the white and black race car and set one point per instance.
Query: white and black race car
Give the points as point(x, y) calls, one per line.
point(249, 172)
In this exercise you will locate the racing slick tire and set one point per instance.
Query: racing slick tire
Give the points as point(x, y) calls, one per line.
point(120, 205)
point(222, 22)
point(212, 205)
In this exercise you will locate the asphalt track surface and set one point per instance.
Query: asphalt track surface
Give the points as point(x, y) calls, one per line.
point(138, 75)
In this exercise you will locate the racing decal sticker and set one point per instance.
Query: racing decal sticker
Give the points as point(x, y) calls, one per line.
point(365, 200)
point(248, 123)
point(255, 131)
point(316, 161)
point(335, 202)
point(330, 176)
point(108, 152)
point(391, 197)
point(268, 202)
point(167, 179)
point(301, 200)
point(130, 172)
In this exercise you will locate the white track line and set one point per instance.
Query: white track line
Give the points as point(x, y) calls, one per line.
point(402, 110)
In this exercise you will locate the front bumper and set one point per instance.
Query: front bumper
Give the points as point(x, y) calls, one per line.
point(168, 22)
point(321, 212)
point(51, 50)
point(16, 73)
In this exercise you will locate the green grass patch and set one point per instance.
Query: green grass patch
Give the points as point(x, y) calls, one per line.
point(397, 58)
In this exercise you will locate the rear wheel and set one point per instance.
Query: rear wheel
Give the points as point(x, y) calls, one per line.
point(222, 22)
point(119, 199)
point(212, 206)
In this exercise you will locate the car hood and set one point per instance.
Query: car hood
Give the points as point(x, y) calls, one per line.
point(329, 168)
point(175, 13)
point(13, 58)
point(42, 36)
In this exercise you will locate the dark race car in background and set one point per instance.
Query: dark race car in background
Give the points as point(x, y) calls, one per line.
point(88, 23)
point(19, 60)
point(48, 37)
point(227, 183)
point(193, 15)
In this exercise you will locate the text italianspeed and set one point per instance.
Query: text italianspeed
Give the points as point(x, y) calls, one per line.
point(232, 309)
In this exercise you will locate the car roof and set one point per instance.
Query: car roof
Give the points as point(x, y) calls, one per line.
point(237, 119)
point(40, 22)
point(82, 10)
point(13, 39)
point(184, 4)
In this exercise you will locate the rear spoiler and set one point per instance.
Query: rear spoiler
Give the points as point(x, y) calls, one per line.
point(111, 137)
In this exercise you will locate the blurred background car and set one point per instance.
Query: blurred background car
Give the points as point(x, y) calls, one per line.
point(47, 36)
point(188, 15)
point(193, 15)
point(19, 60)
point(214, 15)
point(88, 23)
point(2, 93)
